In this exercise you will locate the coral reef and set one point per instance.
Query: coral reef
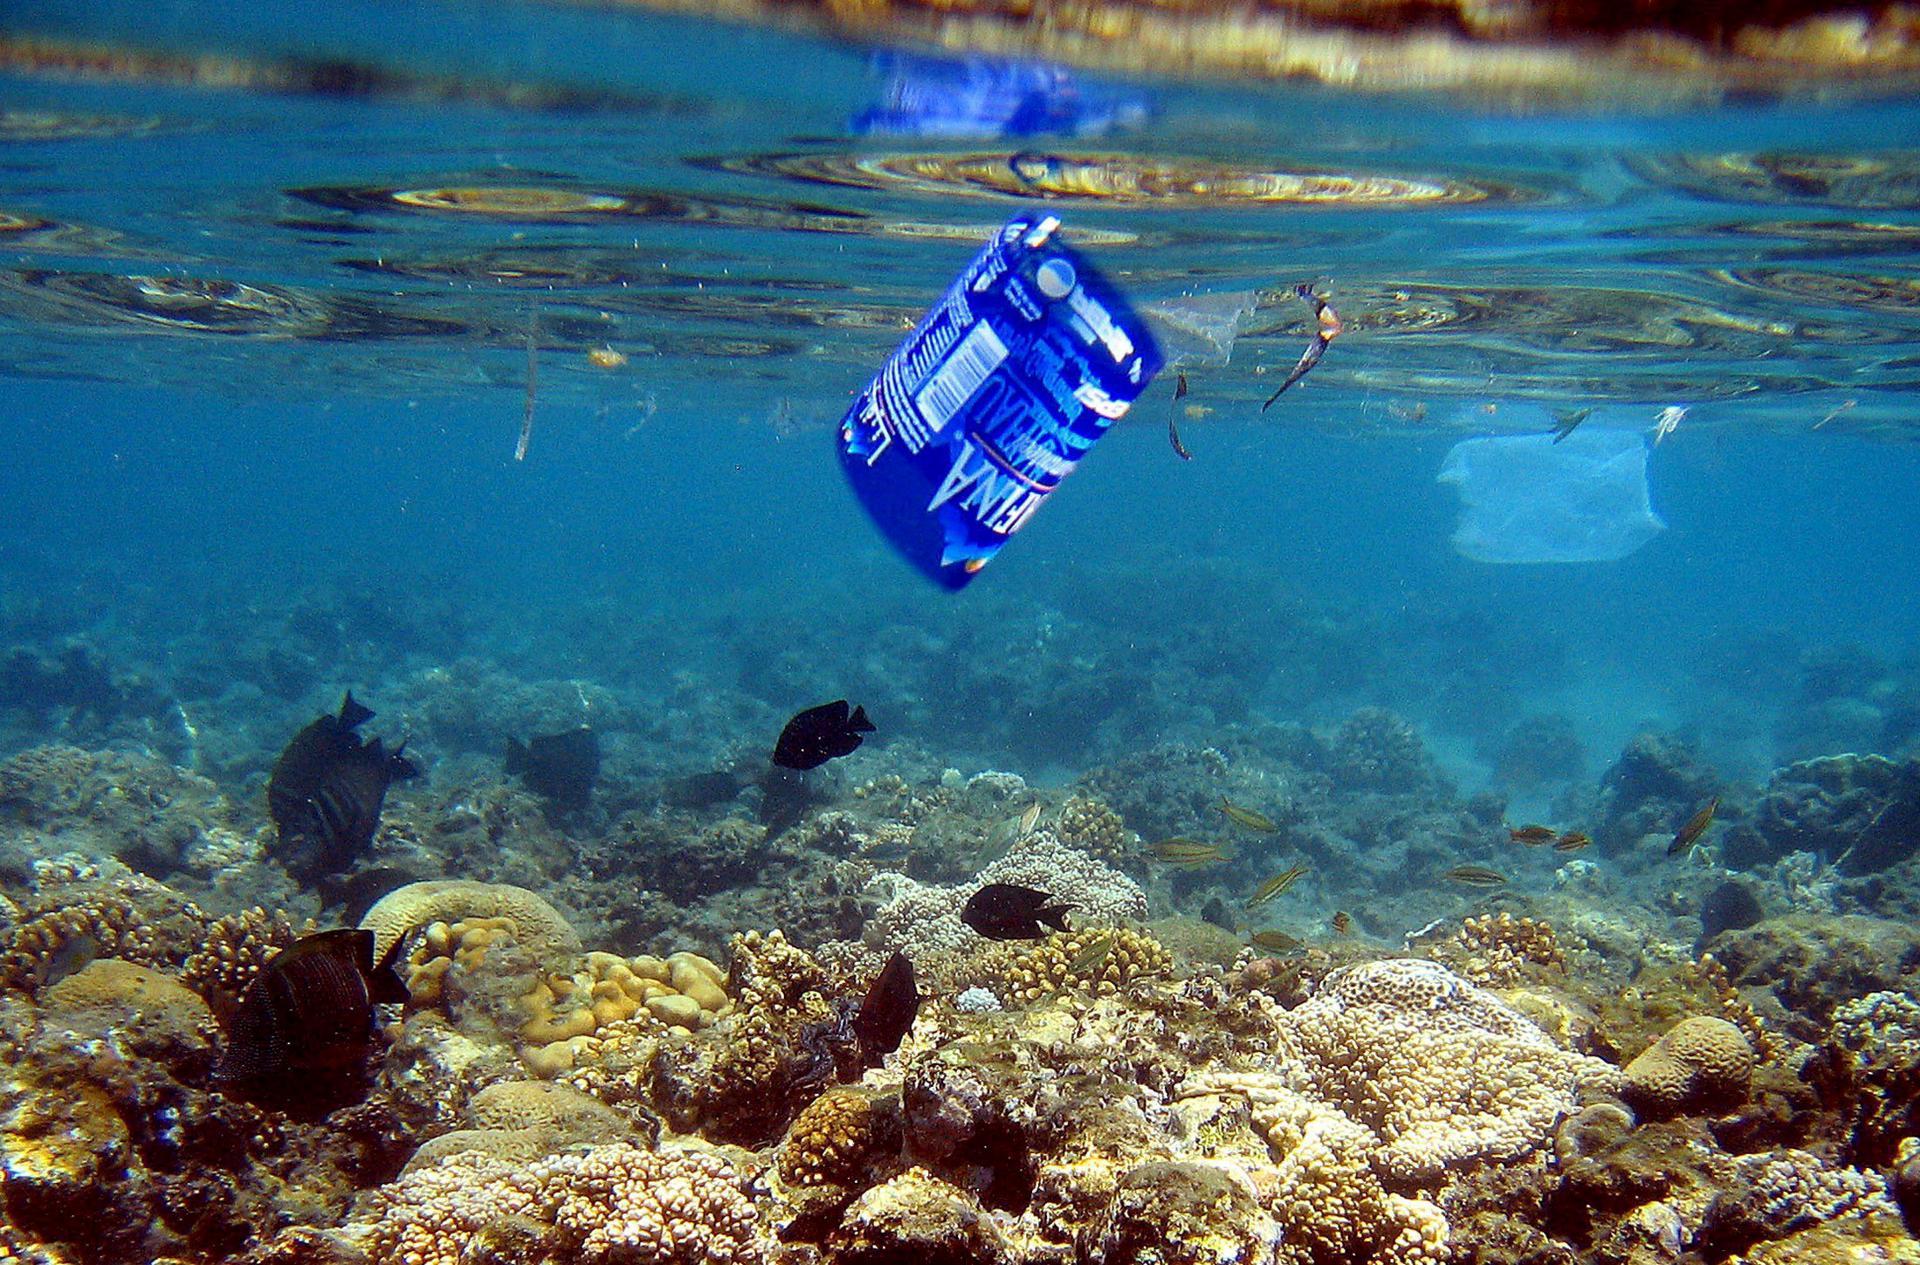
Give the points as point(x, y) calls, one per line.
point(1097, 961)
point(536, 925)
point(1444, 1071)
point(1858, 811)
point(613, 1203)
point(1499, 950)
point(1701, 1064)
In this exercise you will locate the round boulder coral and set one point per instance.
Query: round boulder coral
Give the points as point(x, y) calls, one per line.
point(1701, 1064)
point(536, 925)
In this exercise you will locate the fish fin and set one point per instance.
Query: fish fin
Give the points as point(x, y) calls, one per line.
point(352, 714)
point(859, 723)
point(399, 768)
point(384, 984)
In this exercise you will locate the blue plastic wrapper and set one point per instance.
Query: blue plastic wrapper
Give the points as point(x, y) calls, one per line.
point(993, 399)
point(987, 97)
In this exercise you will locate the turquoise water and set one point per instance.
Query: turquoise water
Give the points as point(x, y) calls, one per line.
point(243, 361)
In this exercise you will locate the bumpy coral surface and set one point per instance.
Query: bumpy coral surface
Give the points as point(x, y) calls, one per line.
point(617, 1203)
point(1701, 1063)
point(1499, 950)
point(1097, 960)
point(1444, 1071)
point(537, 926)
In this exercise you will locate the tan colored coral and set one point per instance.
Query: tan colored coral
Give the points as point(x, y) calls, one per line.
point(1444, 1071)
point(537, 926)
point(1077, 961)
point(541, 1105)
point(235, 948)
point(568, 1014)
point(112, 922)
point(832, 1140)
point(616, 1203)
point(1735, 1008)
point(114, 984)
point(770, 972)
point(1700, 1064)
point(1094, 828)
point(1499, 950)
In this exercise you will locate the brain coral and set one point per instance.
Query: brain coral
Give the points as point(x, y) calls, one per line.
point(1445, 1072)
point(537, 926)
point(616, 1203)
point(1701, 1063)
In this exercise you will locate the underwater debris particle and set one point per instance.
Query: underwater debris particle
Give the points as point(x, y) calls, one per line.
point(533, 375)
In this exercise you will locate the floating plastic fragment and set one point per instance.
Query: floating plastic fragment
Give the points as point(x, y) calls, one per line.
point(987, 97)
point(1525, 498)
point(1197, 331)
point(993, 399)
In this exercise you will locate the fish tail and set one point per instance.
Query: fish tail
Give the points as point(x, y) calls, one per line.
point(1054, 916)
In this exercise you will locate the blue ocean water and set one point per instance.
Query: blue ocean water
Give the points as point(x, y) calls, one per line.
point(258, 346)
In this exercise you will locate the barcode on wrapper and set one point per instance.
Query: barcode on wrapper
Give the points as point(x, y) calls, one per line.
point(960, 375)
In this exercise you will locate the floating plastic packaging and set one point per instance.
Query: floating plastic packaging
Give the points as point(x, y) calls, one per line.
point(985, 98)
point(1197, 331)
point(993, 399)
point(1524, 498)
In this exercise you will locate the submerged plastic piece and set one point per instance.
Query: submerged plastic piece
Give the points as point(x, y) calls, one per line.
point(989, 97)
point(1525, 498)
point(993, 399)
point(1197, 331)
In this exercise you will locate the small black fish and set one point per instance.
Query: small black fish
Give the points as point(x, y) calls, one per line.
point(326, 792)
point(303, 1028)
point(820, 734)
point(560, 768)
point(1007, 911)
point(887, 1010)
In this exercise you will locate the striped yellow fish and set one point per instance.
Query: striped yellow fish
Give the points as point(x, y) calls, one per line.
point(1275, 885)
point(1180, 850)
point(1476, 876)
point(1572, 841)
point(1246, 817)
point(1276, 942)
point(1342, 922)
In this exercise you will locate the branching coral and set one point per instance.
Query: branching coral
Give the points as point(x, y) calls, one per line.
point(1329, 1200)
point(1094, 828)
point(235, 948)
point(616, 1203)
point(110, 919)
point(1097, 960)
point(1499, 950)
point(1444, 1071)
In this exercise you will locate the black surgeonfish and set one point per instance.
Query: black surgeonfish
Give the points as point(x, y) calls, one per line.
point(1007, 911)
point(820, 734)
point(560, 768)
point(304, 1026)
point(887, 1011)
point(326, 791)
